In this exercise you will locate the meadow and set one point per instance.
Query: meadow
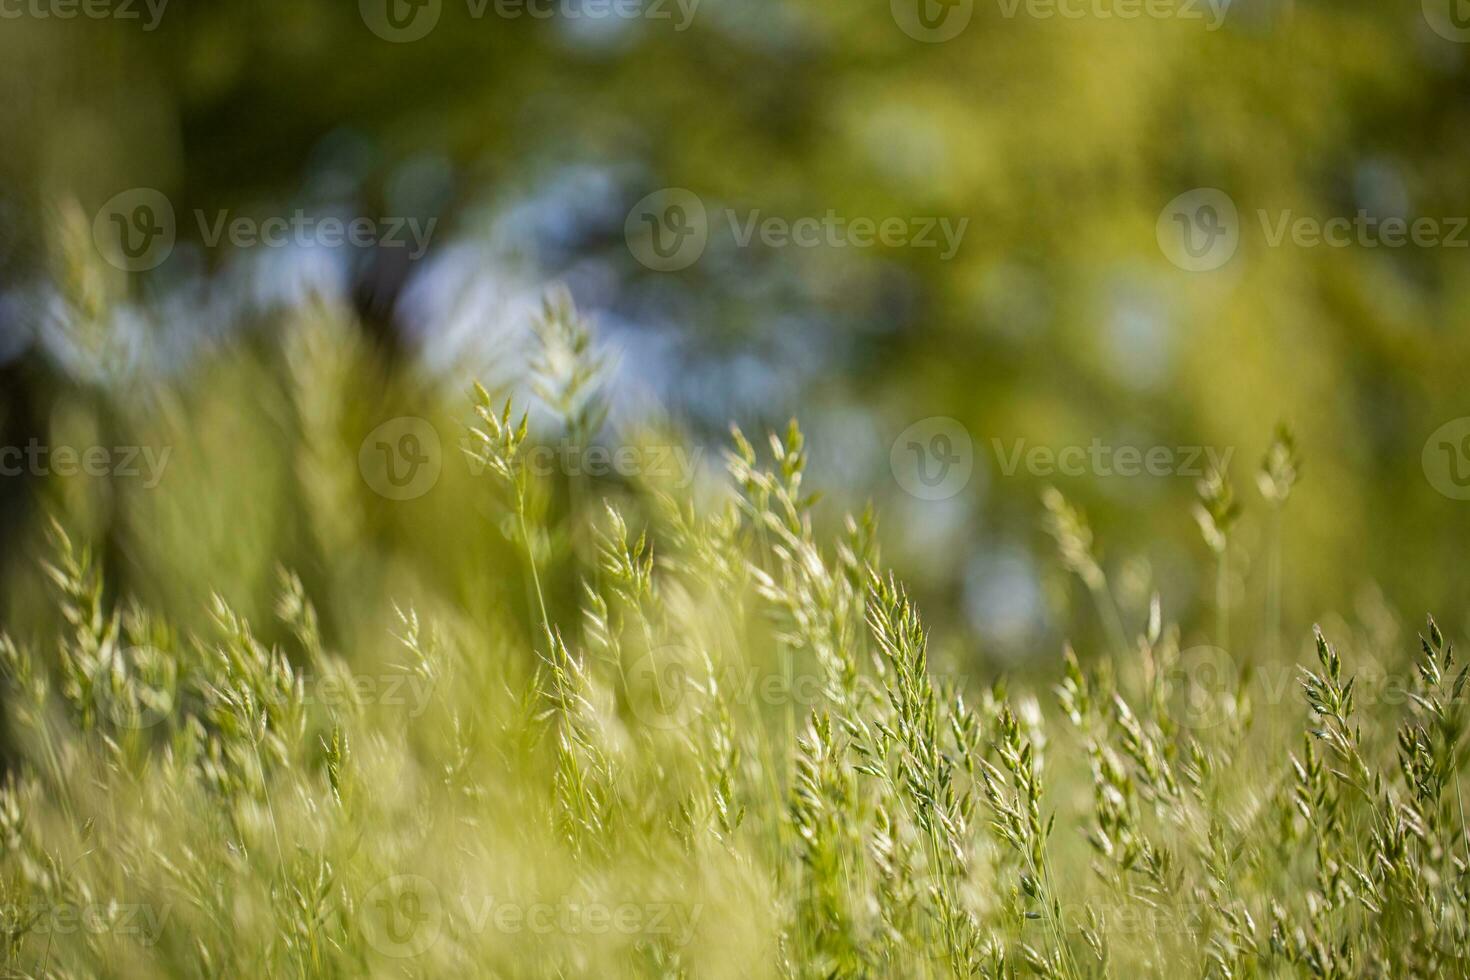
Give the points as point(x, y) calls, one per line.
point(540, 723)
point(737, 488)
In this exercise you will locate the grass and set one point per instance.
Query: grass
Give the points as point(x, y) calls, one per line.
point(699, 739)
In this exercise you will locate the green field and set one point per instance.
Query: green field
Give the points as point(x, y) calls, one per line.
point(734, 488)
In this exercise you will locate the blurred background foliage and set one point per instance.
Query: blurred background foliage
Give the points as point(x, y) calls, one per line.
point(1059, 320)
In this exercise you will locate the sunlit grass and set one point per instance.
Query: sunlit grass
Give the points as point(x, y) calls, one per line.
point(692, 737)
